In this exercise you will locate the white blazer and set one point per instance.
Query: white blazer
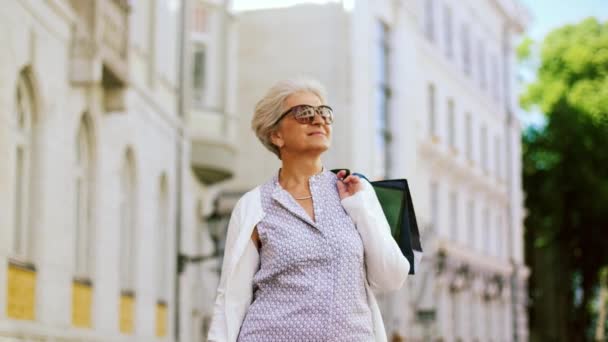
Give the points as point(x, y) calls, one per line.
point(385, 265)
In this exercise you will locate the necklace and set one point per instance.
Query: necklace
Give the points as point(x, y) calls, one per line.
point(299, 198)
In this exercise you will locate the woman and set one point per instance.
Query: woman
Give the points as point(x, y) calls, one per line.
point(305, 249)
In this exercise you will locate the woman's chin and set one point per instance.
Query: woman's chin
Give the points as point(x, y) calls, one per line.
point(317, 148)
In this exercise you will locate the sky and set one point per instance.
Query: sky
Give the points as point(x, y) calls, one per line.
point(550, 14)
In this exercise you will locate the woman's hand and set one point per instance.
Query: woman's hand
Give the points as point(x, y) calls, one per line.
point(349, 185)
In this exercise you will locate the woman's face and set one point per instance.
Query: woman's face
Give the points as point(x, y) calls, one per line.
point(294, 137)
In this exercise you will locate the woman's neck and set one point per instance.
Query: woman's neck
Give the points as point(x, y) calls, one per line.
point(296, 172)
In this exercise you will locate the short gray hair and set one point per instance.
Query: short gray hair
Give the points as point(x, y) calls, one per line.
point(269, 108)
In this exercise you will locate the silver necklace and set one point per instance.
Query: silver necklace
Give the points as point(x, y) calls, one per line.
point(305, 197)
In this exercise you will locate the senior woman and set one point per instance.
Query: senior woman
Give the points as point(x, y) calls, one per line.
point(306, 250)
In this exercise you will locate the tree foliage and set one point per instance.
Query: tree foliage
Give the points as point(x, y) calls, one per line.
point(565, 178)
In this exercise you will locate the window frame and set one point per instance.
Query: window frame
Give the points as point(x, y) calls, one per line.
point(24, 115)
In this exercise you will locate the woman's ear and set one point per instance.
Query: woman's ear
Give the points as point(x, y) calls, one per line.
point(277, 139)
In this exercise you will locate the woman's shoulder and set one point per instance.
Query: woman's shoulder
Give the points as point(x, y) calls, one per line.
point(249, 202)
point(248, 197)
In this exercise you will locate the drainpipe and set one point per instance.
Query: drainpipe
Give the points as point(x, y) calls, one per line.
point(509, 177)
point(182, 32)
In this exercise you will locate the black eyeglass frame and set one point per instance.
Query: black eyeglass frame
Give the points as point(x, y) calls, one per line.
point(309, 106)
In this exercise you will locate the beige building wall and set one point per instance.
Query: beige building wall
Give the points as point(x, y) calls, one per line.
point(139, 120)
point(472, 276)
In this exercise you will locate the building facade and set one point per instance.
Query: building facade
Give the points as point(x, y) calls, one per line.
point(105, 174)
point(423, 90)
point(123, 144)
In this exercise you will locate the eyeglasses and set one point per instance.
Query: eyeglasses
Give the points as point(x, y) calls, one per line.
point(305, 114)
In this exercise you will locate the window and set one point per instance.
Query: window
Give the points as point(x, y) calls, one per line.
point(199, 75)
point(434, 206)
point(429, 11)
point(487, 236)
point(484, 147)
point(471, 221)
point(383, 92)
point(152, 35)
point(162, 236)
point(497, 157)
point(466, 50)
point(200, 20)
point(482, 64)
point(454, 216)
point(495, 81)
point(202, 38)
point(127, 205)
point(24, 153)
point(208, 62)
point(431, 109)
point(469, 136)
point(83, 202)
point(447, 26)
point(500, 238)
point(451, 124)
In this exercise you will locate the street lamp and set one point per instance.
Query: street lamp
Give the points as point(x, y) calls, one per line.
point(216, 224)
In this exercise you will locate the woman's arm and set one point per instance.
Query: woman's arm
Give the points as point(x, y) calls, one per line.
point(386, 266)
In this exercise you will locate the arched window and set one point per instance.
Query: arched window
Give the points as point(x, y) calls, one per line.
point(83, 178)
point(128, 207)
point(162, 223)
point(24, 152)
point(163, 259)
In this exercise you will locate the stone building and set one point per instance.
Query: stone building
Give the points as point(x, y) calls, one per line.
point(106, 167)
point(124, 134)
point(425, 90)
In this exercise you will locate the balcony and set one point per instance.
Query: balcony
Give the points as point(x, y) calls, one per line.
point(100, 46)
point(213, 151)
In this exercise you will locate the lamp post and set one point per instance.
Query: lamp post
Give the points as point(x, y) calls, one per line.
point(216, 231)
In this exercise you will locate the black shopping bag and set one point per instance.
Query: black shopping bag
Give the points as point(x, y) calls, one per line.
point(396, 201)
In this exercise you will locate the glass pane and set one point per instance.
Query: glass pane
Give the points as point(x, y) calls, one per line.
point(78, 227)
point(448, 31)
point(431, 109)
point(19, 205)
point(430, 16)
point(200, 20)
point(434, 206)
point(469, 131)
point(24, 104)
point(484, 147)
point(199, 69)
point(454, 215)
point(451, 137)
point(471, 222)
point(382, 51)
point(162, 250)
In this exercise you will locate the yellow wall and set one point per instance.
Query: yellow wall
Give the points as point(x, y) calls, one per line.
point(161, 319)
point(127, 306)
point(21, 293)
point(82, 295)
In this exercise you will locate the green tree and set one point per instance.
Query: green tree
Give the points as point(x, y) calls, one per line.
point(565, 178)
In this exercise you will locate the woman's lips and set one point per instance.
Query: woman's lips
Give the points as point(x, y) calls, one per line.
point(316, 133)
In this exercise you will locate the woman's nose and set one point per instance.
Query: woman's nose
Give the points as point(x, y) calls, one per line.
point(317, 119)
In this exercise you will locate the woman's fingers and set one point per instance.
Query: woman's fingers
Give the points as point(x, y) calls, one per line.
point(341, 186)
point(351, 179)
